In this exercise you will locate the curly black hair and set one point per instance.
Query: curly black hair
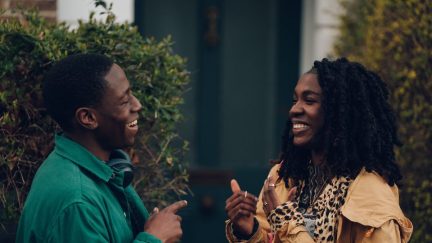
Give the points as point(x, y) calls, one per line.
point(360, 127)
point(73, 82)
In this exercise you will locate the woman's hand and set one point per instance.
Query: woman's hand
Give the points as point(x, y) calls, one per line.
point(241, 208)
point(270, 199)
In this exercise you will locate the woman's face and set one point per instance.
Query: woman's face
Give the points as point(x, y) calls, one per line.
point(306, 114)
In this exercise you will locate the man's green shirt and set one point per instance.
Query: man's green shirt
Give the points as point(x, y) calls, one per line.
point(75, 197)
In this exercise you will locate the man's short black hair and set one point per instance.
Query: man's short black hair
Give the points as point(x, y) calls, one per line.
point(76, 81)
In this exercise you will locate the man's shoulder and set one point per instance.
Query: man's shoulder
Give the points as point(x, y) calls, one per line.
point(60, 180)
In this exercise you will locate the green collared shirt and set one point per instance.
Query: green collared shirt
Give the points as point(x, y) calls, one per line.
point(75, 197)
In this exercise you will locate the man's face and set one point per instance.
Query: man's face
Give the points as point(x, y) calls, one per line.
point(307, 115)
point(117, 113)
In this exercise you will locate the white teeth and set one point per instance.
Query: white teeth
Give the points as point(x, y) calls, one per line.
point(299, 125)
point(132, 124)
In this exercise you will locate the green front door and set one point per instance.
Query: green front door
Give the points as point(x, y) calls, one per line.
point(243, 55)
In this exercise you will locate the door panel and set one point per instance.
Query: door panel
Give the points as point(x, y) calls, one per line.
point(238, 52)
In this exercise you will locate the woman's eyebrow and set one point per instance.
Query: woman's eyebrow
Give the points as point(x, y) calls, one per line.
point(308, 92)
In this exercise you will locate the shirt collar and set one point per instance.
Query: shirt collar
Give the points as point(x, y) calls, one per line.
point(79, 155)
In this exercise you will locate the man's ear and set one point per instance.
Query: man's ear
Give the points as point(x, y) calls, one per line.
point(86, 117)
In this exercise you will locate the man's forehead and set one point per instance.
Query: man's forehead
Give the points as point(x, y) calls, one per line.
point(116, 76)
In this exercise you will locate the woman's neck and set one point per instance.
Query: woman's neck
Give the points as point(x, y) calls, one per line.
point(317, 157)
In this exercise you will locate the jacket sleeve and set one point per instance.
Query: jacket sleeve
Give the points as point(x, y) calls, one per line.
point(261, 235)
point(390, 231)
point(81, 222)
point(145, 237)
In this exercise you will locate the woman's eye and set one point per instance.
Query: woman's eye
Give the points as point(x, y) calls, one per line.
point(310, 101)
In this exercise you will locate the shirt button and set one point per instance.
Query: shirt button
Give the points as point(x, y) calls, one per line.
point(124, 214)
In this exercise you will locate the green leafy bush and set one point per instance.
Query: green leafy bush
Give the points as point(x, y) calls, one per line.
point(28, 48)
point(394, 38)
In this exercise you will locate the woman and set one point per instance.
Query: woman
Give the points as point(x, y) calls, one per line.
point(336, 179)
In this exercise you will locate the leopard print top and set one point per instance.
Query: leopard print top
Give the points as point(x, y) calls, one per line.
point(326, 208)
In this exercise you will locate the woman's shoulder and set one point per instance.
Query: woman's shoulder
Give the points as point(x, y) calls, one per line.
point(371, 200)
point(371, 185)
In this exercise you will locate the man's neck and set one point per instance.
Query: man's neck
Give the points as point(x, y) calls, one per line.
point(89, 142)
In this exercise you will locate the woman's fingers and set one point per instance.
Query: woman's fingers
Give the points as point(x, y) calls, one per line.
point(240, 196)
point(265, 198)
point(291, 193)
point(270, 199)
point(273, 199)
point(244, 210)
point(241, 204)
point(241, 210)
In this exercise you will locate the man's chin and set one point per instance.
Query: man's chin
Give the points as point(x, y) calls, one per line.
point(131, 142)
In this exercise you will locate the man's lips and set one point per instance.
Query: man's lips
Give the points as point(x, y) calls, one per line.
point(133, 124)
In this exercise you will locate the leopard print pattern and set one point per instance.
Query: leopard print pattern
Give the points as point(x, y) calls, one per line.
point(283, 214)
point(326, 208)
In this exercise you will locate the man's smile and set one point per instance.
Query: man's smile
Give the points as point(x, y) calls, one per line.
point(132, 124)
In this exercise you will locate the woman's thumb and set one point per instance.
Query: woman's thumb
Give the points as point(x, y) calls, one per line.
point(235, 186)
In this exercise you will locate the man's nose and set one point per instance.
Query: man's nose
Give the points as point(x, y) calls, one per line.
point(136, 104)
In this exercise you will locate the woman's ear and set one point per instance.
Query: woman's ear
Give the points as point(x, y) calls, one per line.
point(86, 117)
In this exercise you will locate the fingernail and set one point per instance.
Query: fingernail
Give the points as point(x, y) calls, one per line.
point(185, 202)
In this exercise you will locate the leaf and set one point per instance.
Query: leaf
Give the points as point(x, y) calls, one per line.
point(100, 3)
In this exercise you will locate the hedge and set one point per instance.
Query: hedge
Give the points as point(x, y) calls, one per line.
point(29, 46)
point(394, 38)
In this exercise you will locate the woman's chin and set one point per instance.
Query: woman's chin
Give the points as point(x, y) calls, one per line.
point(301, 142)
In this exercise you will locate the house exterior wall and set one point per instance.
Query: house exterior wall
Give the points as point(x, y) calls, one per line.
point(47, 8)
point(320, 20)
point(70, 11)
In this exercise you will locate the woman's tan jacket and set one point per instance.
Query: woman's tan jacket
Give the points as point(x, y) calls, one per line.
point(371, 213)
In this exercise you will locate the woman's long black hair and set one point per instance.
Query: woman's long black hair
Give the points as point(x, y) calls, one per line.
point(360, 126)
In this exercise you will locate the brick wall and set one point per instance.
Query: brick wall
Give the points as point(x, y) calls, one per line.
point(47, 8)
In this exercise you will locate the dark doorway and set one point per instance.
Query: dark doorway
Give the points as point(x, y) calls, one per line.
point(244, 59)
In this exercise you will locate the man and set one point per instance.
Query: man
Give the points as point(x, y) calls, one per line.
point(76, 196)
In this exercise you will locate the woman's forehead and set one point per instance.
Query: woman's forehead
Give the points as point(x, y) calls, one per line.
point(308, 82)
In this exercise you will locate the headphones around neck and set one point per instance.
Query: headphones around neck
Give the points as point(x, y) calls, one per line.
point(120, 161)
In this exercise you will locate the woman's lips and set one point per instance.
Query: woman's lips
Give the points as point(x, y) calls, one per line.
point(298, 128)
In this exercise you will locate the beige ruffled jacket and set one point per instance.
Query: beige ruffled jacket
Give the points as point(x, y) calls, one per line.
point(371, 213)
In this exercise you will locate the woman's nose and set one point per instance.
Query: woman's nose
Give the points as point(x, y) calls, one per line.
point(296, 109)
